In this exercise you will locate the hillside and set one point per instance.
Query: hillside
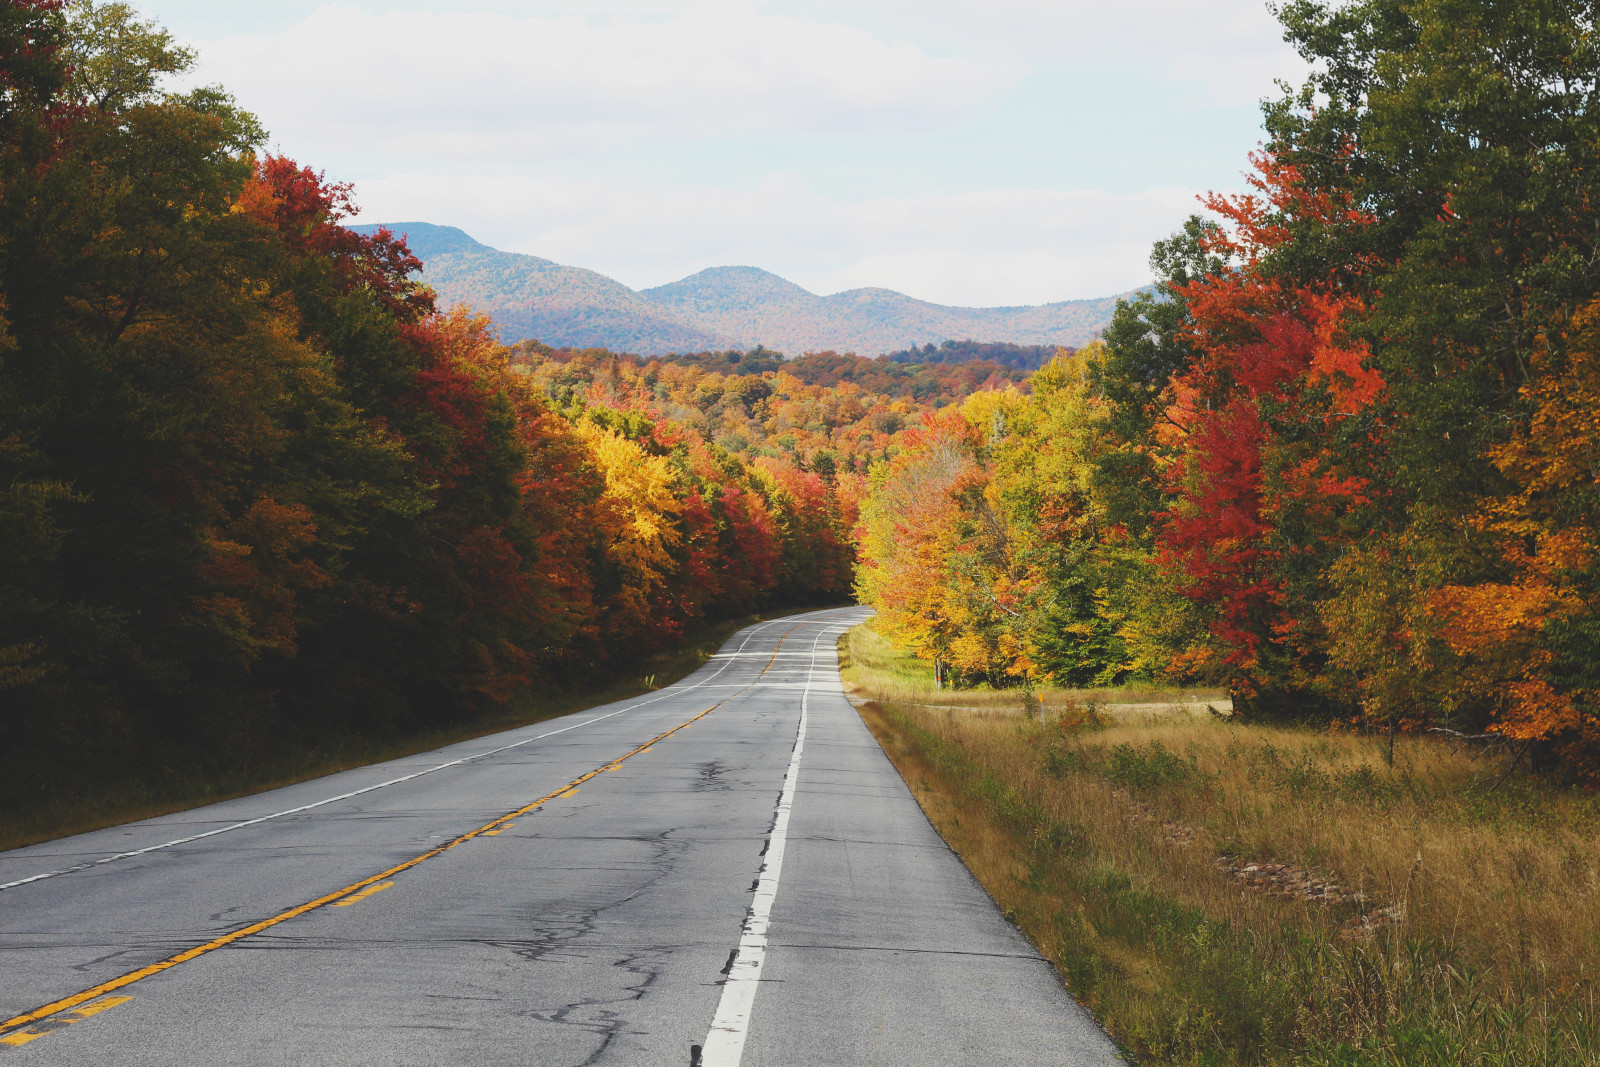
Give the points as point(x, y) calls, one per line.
point(722, 307)
point(529, 297)
point(1002, 353)
point(753, 306)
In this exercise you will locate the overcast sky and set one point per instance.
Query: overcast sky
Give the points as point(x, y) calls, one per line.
point(1003, 152)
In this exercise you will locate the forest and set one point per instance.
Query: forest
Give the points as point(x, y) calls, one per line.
point(1340, 459)
point(254, 484)
point(1343, 459)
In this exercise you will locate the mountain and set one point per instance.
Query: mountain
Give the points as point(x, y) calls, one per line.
point(755, 307)
point(718, 308)
point(565, 307)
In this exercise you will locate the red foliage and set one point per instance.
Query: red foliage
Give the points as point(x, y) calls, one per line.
point(751, 547)
point(30, 49)
point(307, 212)
point(1259, 220)
point(1217, 539)
point(494, 587)
point(1273, 375)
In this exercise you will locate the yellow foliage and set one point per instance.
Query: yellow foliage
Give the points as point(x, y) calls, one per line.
point(639, 498)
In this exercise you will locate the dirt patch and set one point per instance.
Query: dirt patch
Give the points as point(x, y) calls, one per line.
point(1278, 879)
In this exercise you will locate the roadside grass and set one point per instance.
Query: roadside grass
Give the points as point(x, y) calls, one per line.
point(178, 786)
point(898, 676)
point(1419, 918)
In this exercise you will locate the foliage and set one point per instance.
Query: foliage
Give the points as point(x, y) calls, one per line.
point(1022, 357)
point(254, 485)
point(983, 544)
point(1340, 458)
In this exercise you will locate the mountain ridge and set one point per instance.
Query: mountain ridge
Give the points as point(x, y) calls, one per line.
point(724, 307)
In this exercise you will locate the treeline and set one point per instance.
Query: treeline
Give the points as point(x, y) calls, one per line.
point(753, 405)
point(1001, 353)
point(1344, 459)
point(253, 486)
point(935, 383)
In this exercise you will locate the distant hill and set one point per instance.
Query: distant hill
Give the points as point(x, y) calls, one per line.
point(565, 307)
point(719, 308)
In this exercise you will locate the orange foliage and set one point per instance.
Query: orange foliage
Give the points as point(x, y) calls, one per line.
point(1545, 536)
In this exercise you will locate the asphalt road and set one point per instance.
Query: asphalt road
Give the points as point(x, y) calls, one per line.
point(755, 879)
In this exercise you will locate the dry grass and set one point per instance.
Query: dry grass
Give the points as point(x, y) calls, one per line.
point(896, 676)
point(1463, 926)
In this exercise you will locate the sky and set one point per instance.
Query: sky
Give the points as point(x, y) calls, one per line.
point(995, 153)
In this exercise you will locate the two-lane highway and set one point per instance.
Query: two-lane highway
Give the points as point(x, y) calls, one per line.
point(729, 862)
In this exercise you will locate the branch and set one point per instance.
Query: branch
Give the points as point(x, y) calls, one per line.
point(1459, 736)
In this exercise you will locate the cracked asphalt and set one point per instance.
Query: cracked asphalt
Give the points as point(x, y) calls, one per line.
point(594, 929)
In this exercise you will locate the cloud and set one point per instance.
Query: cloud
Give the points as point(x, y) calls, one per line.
point(494, 86)
point(652, 138)
point(981, 249)
point(1232, 49)
point(1011, 246)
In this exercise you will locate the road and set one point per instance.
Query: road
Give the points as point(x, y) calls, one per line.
point(729, 862)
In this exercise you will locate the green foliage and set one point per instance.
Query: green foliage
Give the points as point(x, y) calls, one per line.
point(116, 58)
point(1145, 347)
point(1466, 128)
point(1000, 353)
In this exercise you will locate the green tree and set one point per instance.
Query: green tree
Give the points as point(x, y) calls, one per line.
point(1145, 347)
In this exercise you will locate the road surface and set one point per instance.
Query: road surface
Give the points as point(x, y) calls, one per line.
point(729, 862)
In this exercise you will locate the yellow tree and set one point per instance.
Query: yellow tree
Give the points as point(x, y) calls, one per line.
point(906, 532)
point(636, 528)
point(1054, 567)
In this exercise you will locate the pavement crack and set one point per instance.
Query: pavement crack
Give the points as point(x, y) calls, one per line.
point(573, 936)
point(709, 776)
point(605, 1023)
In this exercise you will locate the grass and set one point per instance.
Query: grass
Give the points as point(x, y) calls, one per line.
point(904, 679)
point(1447, 924)
point(79, 811)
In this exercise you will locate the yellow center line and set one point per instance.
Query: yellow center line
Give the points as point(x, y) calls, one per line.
point(367, 892)
point(22, 1037)
point(76, 999)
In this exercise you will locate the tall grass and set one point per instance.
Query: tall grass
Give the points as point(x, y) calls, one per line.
point(1450, 924)
point(871, 660)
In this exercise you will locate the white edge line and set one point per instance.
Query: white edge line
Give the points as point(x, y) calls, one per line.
point(724, 1045)
point(665, 693)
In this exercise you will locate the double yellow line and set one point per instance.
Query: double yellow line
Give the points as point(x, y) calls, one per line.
point(9, 1026)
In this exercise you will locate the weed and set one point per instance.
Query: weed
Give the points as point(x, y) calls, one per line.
point(1146, 767)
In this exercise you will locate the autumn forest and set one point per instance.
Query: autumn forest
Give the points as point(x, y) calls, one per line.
point(1343, 460)
point(1340, 460)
